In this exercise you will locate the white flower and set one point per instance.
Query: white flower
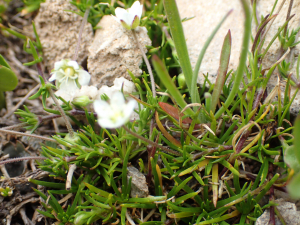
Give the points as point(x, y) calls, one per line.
point(69, 76)
point(128, 87)
point(129, 18)
point(90, 91)
point(116, 113)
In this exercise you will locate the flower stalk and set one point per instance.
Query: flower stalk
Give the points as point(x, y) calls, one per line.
point(147, 63)
point(62, 113)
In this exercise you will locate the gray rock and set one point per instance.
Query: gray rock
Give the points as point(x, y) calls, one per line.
point(58, 31)
point(139, 187)
point(209, 13)
point(114, 51)
point(287, 211)
point(34, 143)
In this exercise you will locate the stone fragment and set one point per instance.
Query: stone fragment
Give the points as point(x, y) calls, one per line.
point(139, 187)
point(58, 31)
point(287, 210)
point(209, 13)
point(34, 143)
point(114, 51)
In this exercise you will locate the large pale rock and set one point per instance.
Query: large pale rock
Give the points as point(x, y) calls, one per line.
point(58, 31)
point(209, 13)
point(287, 210)
point(114, 51)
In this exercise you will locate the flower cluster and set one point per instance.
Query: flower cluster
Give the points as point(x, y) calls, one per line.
point(72, 82)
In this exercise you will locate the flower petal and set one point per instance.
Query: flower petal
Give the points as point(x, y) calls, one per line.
point(90, 91)
point(106, 123)
point(60, 64)
point(128, 86)
point(69, 86)
point(136, 9)
point(73, 64)
point(128, 18)
point(116, 18)
point(65, 95)
point(53, 77)
point(102, 108)
point(120, 12)
point(83, 77)
point(129, 108)
point(117, 100)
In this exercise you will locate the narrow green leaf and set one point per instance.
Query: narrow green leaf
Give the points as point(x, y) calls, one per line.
point(3, 62)
point(180, 45)
point(243, 57)
point(224, 61)
point(203, 50)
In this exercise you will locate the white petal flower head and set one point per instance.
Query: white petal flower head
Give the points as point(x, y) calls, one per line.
point(69, 76)
point(130, 18)
point(114, 114)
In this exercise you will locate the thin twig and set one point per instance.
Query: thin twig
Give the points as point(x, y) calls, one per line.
point(25, 219)
point(14, 126)
point(32, 73)
point(18, 159)
point(2, 167)
point(8, 114)
point(72, 168)
point(28, 135)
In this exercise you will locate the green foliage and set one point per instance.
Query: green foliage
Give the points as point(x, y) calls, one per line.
point(287, 40)
point(8, 80)
point(195, 170)
point(31, 6)
point(292, 159)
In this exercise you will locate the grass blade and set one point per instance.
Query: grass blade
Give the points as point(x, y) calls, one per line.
point(180, 45)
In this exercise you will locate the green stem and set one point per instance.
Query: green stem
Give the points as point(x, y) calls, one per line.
point(151, 142)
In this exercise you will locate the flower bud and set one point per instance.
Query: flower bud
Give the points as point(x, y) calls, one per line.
point(181, 80)
point(73, 139)
point(7, 192)
point(81, 101)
